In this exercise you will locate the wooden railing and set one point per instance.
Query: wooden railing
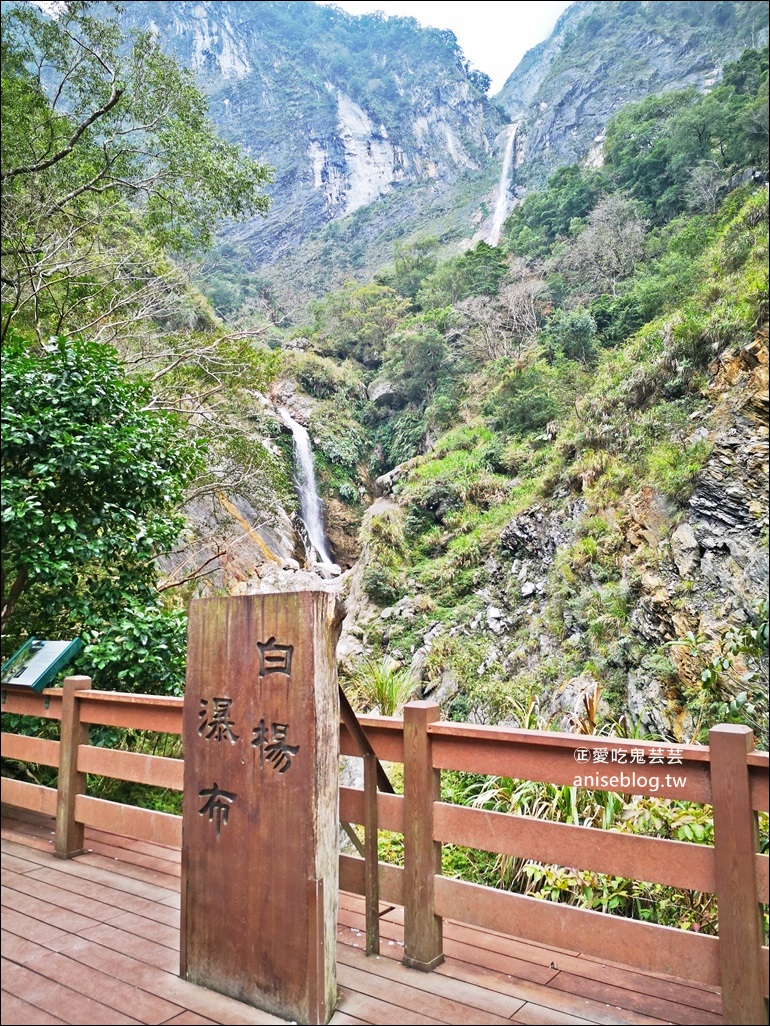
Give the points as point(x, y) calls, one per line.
point(728, 775)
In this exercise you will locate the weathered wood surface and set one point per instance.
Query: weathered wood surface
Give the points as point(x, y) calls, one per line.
point(94, 939)
point(422, 853)
point(260, 805)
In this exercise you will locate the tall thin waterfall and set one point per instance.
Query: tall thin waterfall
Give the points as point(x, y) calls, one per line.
point(503, 198)
point(309, 500)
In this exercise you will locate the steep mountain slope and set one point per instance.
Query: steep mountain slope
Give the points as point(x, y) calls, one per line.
point(380, 131)
point(603, 55)
point(348, 111)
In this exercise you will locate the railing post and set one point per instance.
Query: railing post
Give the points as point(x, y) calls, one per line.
point(371, 849)
point(69, 834)
point(735, 847)
point(423, 929)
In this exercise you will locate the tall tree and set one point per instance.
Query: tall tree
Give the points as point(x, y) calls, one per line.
point(107, 155)
point(92, 481)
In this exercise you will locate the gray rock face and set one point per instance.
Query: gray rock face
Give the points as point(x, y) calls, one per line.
point(346, 110)
point(381, 393)
point(602, 56)
point(685, 550)
point(538, 532)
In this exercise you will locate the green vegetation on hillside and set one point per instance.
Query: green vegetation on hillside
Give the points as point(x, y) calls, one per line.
point(113, 364)
point(559, 375)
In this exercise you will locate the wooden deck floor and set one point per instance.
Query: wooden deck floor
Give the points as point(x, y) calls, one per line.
point(95, 940)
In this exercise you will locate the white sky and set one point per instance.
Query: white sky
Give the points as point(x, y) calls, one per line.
point(493, 36)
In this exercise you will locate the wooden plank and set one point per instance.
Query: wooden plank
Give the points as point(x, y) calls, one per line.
point(25, 839)
point(385, 735)
point(24, 795)
point(676, 863)
point(423, 947)
point(510, 753)
point(758, 781)
point(45, 704)
point(534, 952)
point(172, 854)
point(156, 955)
point(17, 1012)
point(261, 799)
point(19, 949)
point(763, 878)
point(166, 985)
point(156, 770)
point(51, 996)
point(667, 1011)
point(72, 782)
point(159, 713)
point(17, 865)
point(544, 999)
point(113, 888)
point(187, 1019)
point(100, 986)
point(126, 819)
point(351, 932)
point(390, 809)
point(391, 878)
point(30, 749)
point(40, 920)
point(474, 1004)
point(133, 863)
point(61, 898)
point(549, 740)
point(540, 1015)
point(659, 948)
point(736, 842)
point(128, 871)
point(696, 995)
point(149, 928)
point(400, 992)
point(378, 1012)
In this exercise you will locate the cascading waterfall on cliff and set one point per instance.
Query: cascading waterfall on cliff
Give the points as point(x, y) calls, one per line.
point(310, 508)
point(502, 205)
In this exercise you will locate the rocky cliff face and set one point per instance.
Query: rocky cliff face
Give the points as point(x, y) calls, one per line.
point(347, 110)
point(602, 56)
point(378, 130)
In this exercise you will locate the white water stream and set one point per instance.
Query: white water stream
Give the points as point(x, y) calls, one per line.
point(309, 501)
point(502, 206)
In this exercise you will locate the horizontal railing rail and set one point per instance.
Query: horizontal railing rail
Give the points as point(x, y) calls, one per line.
point(728, 775)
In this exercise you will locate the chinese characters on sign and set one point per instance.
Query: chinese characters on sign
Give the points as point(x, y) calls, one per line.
point(277, 751)
point(216, 723)
point(638, 756)
point(218, 805)
point(274, 658)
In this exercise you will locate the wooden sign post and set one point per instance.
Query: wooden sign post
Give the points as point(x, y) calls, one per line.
point(260, 811)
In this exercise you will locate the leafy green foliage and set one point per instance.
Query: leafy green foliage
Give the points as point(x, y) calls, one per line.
point(144, 649)
point(105, 147)
point(92, 479)
point(546, 216)
point(356, 321)
point(653, 147)
point(380, 685)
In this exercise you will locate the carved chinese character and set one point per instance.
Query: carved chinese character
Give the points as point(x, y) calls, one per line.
point(260, 739)
point(217, 722)
point(274, 658)
point(275, 749)
point(218, 804)
point(278, 751)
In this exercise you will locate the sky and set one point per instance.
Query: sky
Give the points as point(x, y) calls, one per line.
point(493, 36)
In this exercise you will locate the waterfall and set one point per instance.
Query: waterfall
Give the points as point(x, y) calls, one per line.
point(501, 206)
point(309, 500)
